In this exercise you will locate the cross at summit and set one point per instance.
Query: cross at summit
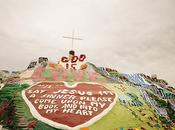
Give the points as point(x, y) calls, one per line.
point(73, 38)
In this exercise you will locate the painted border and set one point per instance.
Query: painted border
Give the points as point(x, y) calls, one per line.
point(62, 126)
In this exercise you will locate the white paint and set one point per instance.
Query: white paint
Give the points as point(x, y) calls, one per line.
point(75, 84)
point(58, 125)
point(26, 74)
point(1, 86)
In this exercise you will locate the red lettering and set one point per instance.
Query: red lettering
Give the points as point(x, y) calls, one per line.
point(82, 57)
point(67, 65)
point(73, 66)
point(74, 59)
point(64, 59)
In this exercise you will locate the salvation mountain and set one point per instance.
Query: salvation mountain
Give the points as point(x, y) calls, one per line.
point(74, 94)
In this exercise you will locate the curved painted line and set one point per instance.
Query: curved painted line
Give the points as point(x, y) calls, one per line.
point(62, 126)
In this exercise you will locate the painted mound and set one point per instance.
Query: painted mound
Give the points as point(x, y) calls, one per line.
point(96, 98)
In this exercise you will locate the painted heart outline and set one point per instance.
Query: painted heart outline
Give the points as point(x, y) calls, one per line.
point(62, 122)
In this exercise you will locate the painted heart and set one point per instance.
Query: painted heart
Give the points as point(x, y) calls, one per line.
point(69, 107)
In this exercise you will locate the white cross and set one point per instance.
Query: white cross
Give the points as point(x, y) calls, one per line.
point(73, 38)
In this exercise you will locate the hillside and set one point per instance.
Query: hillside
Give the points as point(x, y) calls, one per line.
point(30, 99)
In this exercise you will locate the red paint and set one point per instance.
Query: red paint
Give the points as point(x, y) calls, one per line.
point(63, 74)
point(73, 66)
point(13, 80)
point(82, 57)
point(37, 74)
point(71, 63)
point(78, 74)
point(32, 124)
point(74, 59)
point(93, 76)
point(67, 65)
point(69, 119)
point(64, 59)
point(54, 75)
point(3, 108)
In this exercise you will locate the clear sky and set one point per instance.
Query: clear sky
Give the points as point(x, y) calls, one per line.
point(128, 35)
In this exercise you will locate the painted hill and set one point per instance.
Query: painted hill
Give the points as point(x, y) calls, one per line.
point(108, 99)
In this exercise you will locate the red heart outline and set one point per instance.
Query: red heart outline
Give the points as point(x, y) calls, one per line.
point(57, 124)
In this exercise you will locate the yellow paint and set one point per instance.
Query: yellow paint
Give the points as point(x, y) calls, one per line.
point(135, 129)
